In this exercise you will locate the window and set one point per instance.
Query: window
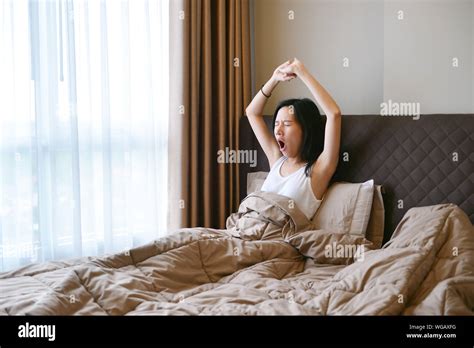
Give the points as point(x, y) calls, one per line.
point(83, 127)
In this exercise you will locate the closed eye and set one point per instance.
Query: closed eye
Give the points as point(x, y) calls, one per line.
point(285, 123)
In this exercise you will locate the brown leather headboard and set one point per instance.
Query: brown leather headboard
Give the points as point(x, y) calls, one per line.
point(418, 162)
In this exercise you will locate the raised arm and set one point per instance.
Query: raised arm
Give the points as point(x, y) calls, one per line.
point(254, 113)
point(328, 159)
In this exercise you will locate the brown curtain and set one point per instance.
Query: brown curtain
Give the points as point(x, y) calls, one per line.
point(209, 89)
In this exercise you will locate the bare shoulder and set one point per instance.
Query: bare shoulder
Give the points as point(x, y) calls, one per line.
point(273, 159)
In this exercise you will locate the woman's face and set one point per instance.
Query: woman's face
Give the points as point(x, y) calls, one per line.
point(288, 132)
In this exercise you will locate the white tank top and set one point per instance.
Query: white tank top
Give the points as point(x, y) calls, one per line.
point(296, 186)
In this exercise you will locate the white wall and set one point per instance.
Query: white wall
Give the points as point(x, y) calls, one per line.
point(419, 52)
point(405, 61)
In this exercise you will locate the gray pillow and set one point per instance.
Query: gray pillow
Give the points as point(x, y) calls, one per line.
point(255, 181)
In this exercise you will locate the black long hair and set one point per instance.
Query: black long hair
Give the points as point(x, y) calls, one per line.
point(309, 117)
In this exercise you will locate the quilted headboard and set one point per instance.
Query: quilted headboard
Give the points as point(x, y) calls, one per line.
point(419, 162)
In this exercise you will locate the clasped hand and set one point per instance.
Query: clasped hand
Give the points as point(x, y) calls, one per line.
point(289, 70)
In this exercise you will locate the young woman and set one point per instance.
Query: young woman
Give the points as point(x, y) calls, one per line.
point(302, 155)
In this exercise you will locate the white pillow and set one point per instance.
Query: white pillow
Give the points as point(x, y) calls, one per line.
point(375, 228)
point(346, 208)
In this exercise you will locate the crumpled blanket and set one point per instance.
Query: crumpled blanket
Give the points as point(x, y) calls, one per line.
point(269, 260)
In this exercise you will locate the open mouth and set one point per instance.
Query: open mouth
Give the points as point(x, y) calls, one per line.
point(281, 144)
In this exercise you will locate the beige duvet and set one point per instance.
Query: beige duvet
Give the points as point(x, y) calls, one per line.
point(268, 261)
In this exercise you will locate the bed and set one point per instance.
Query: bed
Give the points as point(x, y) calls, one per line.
point(272, 260)
point(411, 159)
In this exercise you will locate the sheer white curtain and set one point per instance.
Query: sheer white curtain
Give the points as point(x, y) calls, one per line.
point(83, 127)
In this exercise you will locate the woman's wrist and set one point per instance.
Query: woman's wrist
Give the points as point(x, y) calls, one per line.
point(270, 85)
point(306, 77)
point(272, 82)
point(301, 71)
